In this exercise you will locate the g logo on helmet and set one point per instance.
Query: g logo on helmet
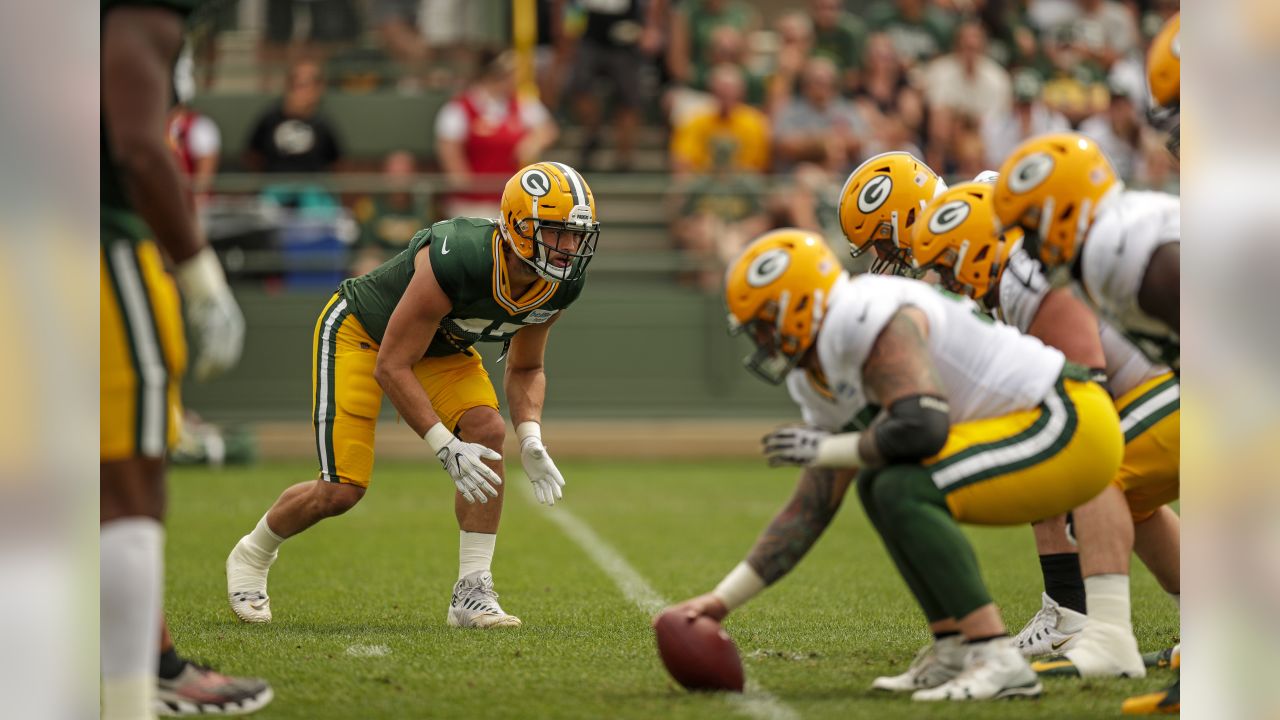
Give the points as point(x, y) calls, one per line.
point(1030, 172)
point(875, 193)
point(768, 267)
point(536, 183)
point(949, 217)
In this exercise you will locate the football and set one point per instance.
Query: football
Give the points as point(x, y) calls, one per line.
point(698, 653)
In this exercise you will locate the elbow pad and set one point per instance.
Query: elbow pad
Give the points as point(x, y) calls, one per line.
point(913, 429)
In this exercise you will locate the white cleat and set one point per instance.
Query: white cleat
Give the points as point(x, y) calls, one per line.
point(992, 670)
point(1103, 650)
point(1052, 631)
point(475, 604)
point(247, 582)
point(935, 664)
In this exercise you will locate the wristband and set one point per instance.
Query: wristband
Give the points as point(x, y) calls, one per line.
point(438, 436)
point(528, 429)
point(839, 451)
point(740, 585)
point(201, 274)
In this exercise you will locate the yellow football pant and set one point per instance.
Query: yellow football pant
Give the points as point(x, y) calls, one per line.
point(347, 399)
point(1030, 465)
point(1152, 424)
point(142, 352)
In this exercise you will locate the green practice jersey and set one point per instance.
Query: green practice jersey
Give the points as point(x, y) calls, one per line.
point(119, 221)
point(466, 257)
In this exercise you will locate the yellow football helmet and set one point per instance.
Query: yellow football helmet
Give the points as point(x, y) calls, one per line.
point(550, 196)
point(1050, 186)
point(777, 291)
point(958, 238)
point(1164, 63)
point(880, 202)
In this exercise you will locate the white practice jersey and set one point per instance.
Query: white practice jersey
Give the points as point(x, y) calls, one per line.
point(988, 369)
point(821, 407)
point(1022, 289)
point(1128, 230)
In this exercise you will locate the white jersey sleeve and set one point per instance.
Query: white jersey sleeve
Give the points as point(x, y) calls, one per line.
point(1127, 366)
point(823, 409)
point(1022, 288)
point(1130, 227)
point(987, 369)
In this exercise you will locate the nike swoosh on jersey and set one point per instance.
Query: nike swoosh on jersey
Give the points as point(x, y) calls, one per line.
point(444, 245)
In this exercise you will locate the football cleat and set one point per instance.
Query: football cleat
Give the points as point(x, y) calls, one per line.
point(198, 690)
point(475, 604)
point(1167, 658)
point(1164, 702)
point(1102, 650)
point(1053, 630)
point(992, 670)
point(247, 582)
point(934, 664)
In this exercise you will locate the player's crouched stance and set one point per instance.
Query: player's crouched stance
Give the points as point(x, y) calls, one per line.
point(407, 329)
point(980, 425)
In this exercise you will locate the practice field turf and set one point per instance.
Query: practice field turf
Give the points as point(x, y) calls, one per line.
point(359, 601)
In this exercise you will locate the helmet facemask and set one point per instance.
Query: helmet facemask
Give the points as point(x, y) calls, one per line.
point(890, 257)
point(557, 259)
point(777, 353)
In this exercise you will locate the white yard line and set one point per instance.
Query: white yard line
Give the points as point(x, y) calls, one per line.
point(756, 702)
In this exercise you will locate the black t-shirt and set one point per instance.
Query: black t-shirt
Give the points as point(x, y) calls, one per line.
point(294, 145)
point(613, 22)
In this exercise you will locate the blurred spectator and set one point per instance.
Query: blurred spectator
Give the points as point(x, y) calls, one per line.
point(729, 46)
point(396, 22)
point(692, 24)
point(194, 137)
point(967, 153)
point(487, 133)
point(967, 81)
point(1075, 87)
point(894, 108)
point(1118, 131)
point(819, 126)
point(795, 47)
point(1105, 31)
point(963, 87)
point(718, 214)
point(619, 36)
point(388, 219)
point(731, 126)
point(293, 136)
point(327, 23)
point(919, 29)
point(1029, 117)
point(841, 36)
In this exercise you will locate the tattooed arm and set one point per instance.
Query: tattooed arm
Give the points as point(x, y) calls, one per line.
point(897, 368)
point(797, 526)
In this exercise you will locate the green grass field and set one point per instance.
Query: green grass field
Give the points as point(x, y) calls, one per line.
point(381, 576)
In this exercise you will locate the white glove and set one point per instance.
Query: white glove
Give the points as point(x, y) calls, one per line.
point(213, 317)
point(795, 445)
point(542, 471)
point(462, 460)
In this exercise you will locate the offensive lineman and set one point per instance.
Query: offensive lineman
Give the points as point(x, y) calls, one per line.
point(407, 329)
point(980, 424)
point(958, 239)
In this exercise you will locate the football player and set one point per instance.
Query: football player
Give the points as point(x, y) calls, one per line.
point(146, 221)
point(407, 329)
point(957, 239)
point(880, 203)
point(977, 423)
point(1121, 247)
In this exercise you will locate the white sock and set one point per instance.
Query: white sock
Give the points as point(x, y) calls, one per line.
point(263, 539)
point(475, 552)
point(1107, 597)
point(131, 557)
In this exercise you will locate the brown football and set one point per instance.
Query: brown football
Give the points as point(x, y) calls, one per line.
point(698, 653)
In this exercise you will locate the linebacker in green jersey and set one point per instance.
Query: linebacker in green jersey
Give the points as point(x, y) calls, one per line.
point(407, 329)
